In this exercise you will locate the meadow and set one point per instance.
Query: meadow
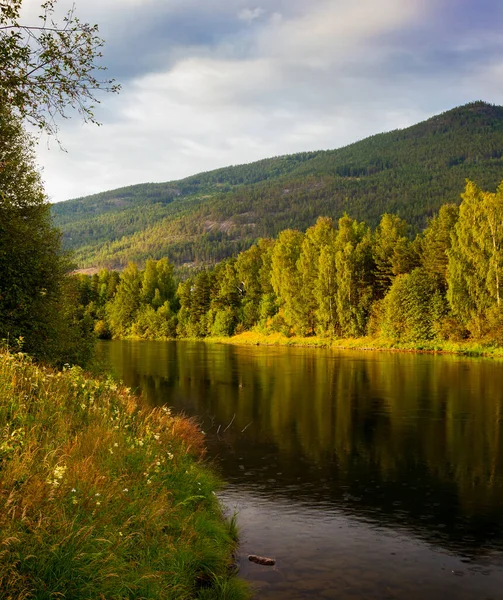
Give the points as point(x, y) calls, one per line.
point(101, 498)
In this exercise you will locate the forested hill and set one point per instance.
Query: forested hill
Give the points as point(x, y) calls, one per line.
point(206, 217)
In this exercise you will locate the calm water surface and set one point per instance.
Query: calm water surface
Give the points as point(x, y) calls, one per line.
point(366, 475)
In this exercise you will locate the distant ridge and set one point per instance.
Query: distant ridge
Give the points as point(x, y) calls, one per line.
point(208, 216)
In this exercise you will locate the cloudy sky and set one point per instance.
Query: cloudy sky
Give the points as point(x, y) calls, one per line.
point(209, 83)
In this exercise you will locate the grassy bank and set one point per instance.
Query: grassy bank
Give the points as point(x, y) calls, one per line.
point(253, 338)
point(100, 498)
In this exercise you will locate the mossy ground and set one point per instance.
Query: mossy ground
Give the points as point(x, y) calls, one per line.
point(100, 498)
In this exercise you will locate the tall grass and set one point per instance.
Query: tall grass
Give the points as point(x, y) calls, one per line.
point(101, 499)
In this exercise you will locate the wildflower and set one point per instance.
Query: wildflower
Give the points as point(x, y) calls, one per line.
point(98, 503)
point(169, 455)
point(57, 474)
point(74, 501)
point(74, 490)
point(125, 490)
point(97, 494)
point(60, 471)
point(149, 481)
point(116, 445)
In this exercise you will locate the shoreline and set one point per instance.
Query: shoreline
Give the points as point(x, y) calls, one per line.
point(368, 344)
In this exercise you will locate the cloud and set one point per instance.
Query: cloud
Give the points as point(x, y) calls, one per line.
point(250, 14)
point(207, 84)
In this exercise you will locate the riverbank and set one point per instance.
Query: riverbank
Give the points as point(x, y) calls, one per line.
point(100, 498)
point(253, 338)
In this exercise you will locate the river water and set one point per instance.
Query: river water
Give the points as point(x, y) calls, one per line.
point(366, 475)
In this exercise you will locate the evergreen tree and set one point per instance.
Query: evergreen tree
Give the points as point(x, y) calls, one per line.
point(393, 252)
point(354, 276)
point(195, 296)
point(226, 300)
point(123, 309)
point(253, 280)
point(436, 243)
point(306, 301)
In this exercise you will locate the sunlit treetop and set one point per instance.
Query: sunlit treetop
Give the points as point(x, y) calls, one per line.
point(50, 68)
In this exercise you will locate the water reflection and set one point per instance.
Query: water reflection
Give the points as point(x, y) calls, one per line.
point(403, 443)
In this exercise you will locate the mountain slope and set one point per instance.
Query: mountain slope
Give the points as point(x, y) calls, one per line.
point(206, 217)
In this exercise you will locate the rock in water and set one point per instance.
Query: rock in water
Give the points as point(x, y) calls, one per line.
point(262, 560)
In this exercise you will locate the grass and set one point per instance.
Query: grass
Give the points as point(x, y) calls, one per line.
point(102, 499)
point(465, 348)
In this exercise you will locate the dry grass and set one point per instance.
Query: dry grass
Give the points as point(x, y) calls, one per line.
point(100, 498)
point(466, 348)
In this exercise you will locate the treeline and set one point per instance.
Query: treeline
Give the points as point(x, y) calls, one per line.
point(212, 216)
point(337, 280)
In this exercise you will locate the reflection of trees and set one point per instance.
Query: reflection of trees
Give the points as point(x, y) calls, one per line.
point(433, 422)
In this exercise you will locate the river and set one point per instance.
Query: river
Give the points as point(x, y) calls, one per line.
point(366, 475)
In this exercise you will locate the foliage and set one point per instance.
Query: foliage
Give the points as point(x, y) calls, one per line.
point(49, 67)
point(437, 243)
point(475, 270)
point(318, 237)
point(412, 307)
point(208, 217)
point(336, 280)
point(101, 498)
point(285, 277)
point(325, 293)
point(356, 279)
point(36, 297)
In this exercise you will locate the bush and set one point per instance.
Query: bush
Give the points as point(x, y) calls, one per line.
point(278, 324)
point(153, 324)
point(101, 330)
point(224, 323)
point(411, 308)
